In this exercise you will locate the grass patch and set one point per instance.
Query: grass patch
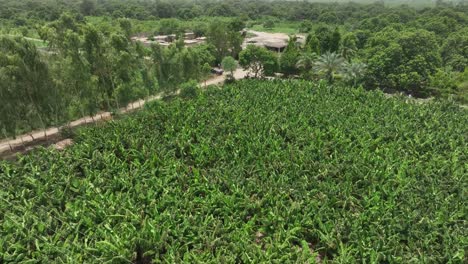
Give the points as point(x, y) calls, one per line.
point(281, 27)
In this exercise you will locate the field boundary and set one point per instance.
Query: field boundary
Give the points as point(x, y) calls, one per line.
point(28, 141)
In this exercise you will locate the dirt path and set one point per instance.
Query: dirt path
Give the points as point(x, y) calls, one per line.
point(54, 132)
point(41, 136)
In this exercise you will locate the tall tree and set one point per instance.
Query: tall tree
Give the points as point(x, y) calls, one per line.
point(335, 41)
point(27, 81)
point(402, 60)
point(349, 48)
point(225, 38)
point(329, 64)
point(258, 61)
point(454, 51)
point(354, 72)
point(305, 63)
point(96, 51)
point(88, 7)
point(229, 64)
point(312, 44)
point(126, 26)
point(289, 58)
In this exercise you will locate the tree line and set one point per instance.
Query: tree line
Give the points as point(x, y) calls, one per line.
point(315, 11)
point(396, 58)
point(87, 67)
point(85, 70)
point(378, 35)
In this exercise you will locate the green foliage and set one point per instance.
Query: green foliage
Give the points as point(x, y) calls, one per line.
point(92, 65)
point(448, 84)
point(83, 70)
point(444, 81)
point(126, 26)
point(259, 172)
point(88, 7)
point(455, 50)
point(349, 46)
point(354, 72)
point(206, 71)
point(312, 44)
point(200, 29)
point(329, 18)
point(175, 65)
point(280, 26)
point(402, 60)
point(305, 26)
point(258, 60)
point(328, 65)
point(305, 64)
point(269, 23)
point(25, 87)
point(189, 89)
point(329, 41)
point(290, 57)
point(236, 24)
point(229, 64)
point(169, 26)
point(225, 37)
point(335, 41)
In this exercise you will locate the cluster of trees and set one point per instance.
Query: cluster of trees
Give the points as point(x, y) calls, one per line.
point(396, 58)
point(417, 52)
point(325, 12)
point(408, 58)
point(24, 85)
point(421, 52)
point(326, 54)
point(84, 70)
point(89, 67)
point(305, 61)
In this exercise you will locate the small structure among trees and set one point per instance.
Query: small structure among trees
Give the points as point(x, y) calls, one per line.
point(277, 46)
point(189, 38)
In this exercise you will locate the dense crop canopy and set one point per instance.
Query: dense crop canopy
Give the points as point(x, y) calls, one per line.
point(261, 171)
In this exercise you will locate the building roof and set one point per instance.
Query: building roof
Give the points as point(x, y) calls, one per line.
point(275, 44)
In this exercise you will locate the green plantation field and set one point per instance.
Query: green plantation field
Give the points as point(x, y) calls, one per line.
point(258, 172)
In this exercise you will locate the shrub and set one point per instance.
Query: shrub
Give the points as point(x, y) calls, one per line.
point(189, 89)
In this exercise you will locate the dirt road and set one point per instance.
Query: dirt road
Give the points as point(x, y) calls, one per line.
point(37, 136)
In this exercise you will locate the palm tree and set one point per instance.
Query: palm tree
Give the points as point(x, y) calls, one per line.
point(348, 49)
point(306, 61)
point(354, 71)
point(328, 64)
point(348, 52)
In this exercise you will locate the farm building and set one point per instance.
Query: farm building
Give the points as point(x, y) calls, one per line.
point(276, 42)
point(277, 46)
point(190, 40)
point(189, 36)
